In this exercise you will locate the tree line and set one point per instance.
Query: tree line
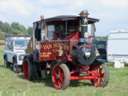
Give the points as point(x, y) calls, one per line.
point(13, 28)
point(19, 29)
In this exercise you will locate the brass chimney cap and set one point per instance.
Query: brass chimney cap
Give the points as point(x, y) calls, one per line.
point(84, 13)
point(41, 17)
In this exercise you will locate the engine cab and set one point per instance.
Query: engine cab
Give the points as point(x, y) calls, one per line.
point(65, 35)
point(59, 27)
point(64, 46)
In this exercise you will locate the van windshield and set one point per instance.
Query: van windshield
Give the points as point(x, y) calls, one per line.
point(21, 43)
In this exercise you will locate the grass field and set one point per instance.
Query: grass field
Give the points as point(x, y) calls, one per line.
point(12, 84)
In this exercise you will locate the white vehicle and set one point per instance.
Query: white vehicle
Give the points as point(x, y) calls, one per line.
point(14, 51)
point(117, 48)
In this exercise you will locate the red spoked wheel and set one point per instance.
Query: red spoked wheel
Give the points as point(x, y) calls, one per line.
point(26, 69)
point(102, 75)
point(60, 76)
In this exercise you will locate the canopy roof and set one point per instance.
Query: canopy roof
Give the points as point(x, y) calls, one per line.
point(67, 18)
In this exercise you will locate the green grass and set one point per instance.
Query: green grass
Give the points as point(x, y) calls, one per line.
point(12, 84)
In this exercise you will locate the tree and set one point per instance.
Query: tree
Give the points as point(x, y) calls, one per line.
point(18, 28)
point(1, 26)
point(29, 30)
point(2, 35)
point(6, 27)
point(14, 28)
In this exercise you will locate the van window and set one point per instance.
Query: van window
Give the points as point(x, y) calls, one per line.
point(9, 45)
point(21, 43)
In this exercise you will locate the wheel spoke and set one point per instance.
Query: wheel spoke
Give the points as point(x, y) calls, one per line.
point(54, 77)
point(59, 83)
point(57, 75)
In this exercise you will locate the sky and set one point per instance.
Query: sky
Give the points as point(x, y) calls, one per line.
point(113, 14)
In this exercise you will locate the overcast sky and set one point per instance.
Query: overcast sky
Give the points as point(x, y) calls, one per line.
point(113, 14)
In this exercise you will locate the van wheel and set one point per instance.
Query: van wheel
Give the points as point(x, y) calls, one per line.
point(6, 63)
point(15, 67)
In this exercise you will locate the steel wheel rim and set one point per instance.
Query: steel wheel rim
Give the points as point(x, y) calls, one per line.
point(58, 77)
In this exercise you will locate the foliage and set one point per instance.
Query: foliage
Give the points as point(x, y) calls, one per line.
point(29, 30)
point(13, 28)
point(2, 35)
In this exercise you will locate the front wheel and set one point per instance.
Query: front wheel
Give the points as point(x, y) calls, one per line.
point(102, 74)
point(60, 76)
point(15, 67)
point(6, 63)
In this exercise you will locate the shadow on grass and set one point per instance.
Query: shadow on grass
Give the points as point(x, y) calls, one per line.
point(79, 83)
point(3, 66)
point(20, 75)
point(48, 82)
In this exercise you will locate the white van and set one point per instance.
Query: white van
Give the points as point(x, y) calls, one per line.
point(117, 47)
point(14, 51)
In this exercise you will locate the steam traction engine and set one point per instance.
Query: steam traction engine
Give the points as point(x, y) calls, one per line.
point(64, 46)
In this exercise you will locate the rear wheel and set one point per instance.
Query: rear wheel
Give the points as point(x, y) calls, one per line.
point(102, 73)
point(60, 76)
point(26, 69)
point(30, 71)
